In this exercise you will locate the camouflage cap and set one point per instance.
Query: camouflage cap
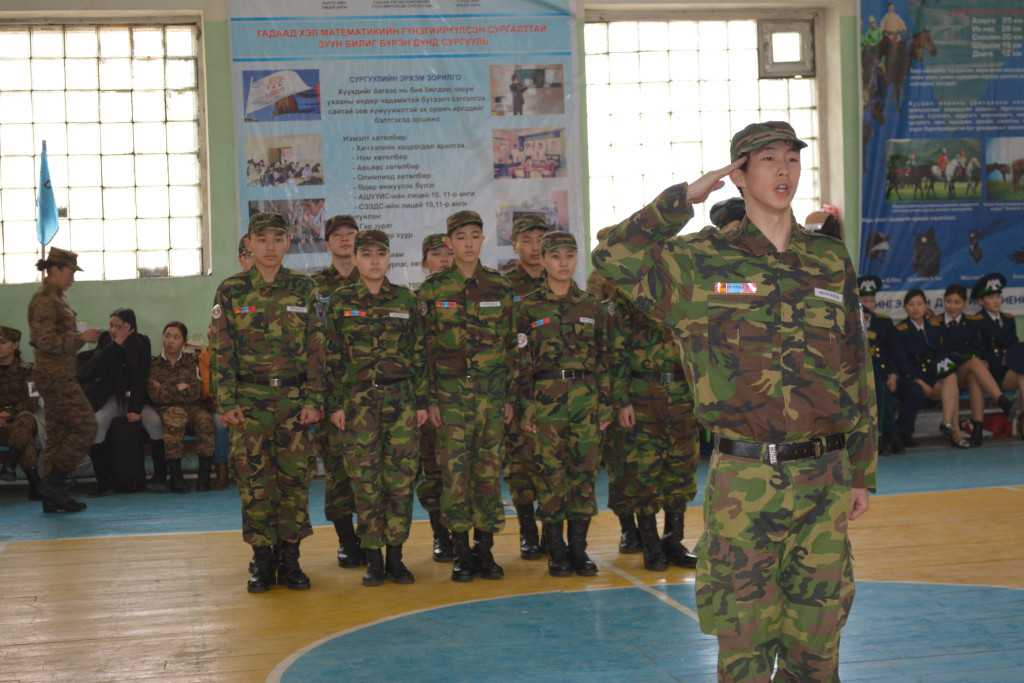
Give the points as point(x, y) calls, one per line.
point(461, 218)
point(993, 283)
point(727, 211)
point(60, 257)
point(373, 238)
point(527, 223)
point(10, 334)
point(337, 222)
point(868, 285)
point(261, 222)
point(433, 242)
point(557, 239)
point(758, 135)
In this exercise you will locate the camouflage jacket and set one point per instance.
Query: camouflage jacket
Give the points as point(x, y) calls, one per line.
point(14, 397)
point(164, 379)
point(641, 348)
point(54, 332)
point(561, 333)
point(374, 338)
point(327, 281)
point(268, 330)
point(468, 326)
point(773, 342)
point(522, 282)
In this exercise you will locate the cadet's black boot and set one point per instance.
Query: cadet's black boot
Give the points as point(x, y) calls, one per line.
point(261, 570)
point(289, 573)
point(395, 570)
point(159, 457)
point(1006, 405)
point(529, 542)
point(33, 483)
point(581, 562)
point(977, 433)
point(629, 539)
point(203, 480)
point(896, 441)
point(558, 553)
point(675, 552)
point(442, 538)
point(654, 554)
point(55, 495)
point(486, 567)
point(350, 555)
point(177, 479)
point(463, 567)
point(100, 457)
point(375, 573)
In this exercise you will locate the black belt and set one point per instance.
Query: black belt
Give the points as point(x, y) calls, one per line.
point(774, 453)
point(660, 377)
point(564, 374)
point(270, 381)
point(386, 381)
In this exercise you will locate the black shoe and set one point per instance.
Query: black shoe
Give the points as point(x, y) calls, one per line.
point(558, 553)
point(672, 542)
point(464, 564)
point(629, 538)
point(1006, 405)
point(33, 484)
point(289, 573)
point(581, 563)
point(394, 569)
point(177, 479)
point(203, 480)
point(55, 496)
point(529, 541)
point(261, 570)
point(486, 567)
point(159, 457)
point(7, 472)
point(442, 538)
point(907, 440)
point(896, 441)
point(101, 468)
point(977, 433)
point(350, 555)
point(375, 574)
point(543, 538)
point(654, 552)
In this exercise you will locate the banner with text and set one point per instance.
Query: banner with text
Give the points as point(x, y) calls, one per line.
point(402, 112)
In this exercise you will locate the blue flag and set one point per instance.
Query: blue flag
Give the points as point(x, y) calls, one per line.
point(46, 225)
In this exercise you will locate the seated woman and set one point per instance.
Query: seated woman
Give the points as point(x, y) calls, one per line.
point(18, 427)
point(1001, 349)
point(924, 373)
point(175, 388)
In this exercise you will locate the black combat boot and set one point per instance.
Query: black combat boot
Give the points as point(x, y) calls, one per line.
point(977, 433)
point(33, 484)
point(654, 553)
point(629, 539)
point(442, 538)
point(203, 480)
point(529, 542)
point(350, 555)
point(1006, 405)
point(177, 479)
point(486, 567)
point(156, 452)
point(261, 570)
point(394, 569)
point(375, 574)
point(463, 567)
point(54, 491)
point(558, 553)
point(581, 563)
point(672, 541)
point(100, 457)
point(289, 573)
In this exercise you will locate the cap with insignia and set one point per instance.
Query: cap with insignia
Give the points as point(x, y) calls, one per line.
point(868, 285)
point(461, 218)
point(60, 257)
point(993, 283)
point(555, 240)
point(434, 241)
point(372, 238)
point(727, 211)
point(758, 135)
point(10, 334)
point(527, 223)
point(262, 222)
point(338, 222)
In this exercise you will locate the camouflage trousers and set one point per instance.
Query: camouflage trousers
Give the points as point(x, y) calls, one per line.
point(568, 449)
point(176, 419)
point(19, 434)
point(431, 481)
point(470, 446)
point(382, 457)
point(613, 455)
point(339, 502)
point(519, 462)
point(270, 455)
point(775, 569)
point(662, 451)
point(70, 423)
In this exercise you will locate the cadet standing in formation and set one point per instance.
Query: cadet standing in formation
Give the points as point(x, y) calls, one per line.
point(881, 340)
point(18, 427)
point(773, 344)
point(470, 340)
point(267, 362)
point(378, 399)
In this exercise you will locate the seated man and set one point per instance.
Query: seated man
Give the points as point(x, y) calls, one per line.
point(18, 427)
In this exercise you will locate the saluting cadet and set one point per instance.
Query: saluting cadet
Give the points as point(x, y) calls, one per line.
point(881, 337)
point(1001, 348)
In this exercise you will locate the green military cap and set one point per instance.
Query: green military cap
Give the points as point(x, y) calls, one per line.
point(993, 283)
point(262, 222)
point(433, 241)
point(727, 211)
point(372, 238)
point(338, 222)
point(556, 239)
point(60, 257)
point(529, 222)
point(758, 135)
point(461, 218)
point(868, 285)
point(10, 334)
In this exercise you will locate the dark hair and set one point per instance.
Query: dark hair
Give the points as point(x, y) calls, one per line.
point(911, 293)
point(959, 290)
point(181, 328)
point(127, 315)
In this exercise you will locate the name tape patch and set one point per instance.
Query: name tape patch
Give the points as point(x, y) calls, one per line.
point(490, 304)
point(297, 309)
point(401, 315)
point(587, 321)
point(828, 295)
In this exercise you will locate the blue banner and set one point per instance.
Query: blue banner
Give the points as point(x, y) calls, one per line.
point(46, 220)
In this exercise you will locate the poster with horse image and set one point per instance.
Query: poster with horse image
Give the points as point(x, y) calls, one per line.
point(943, 137)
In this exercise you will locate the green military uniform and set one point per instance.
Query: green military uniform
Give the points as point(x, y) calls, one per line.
point(267, 359)
point(178, 408)
point(774, 347)
point(19, 431)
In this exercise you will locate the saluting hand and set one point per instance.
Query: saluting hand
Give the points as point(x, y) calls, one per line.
point(338, 419)
point(698, 190)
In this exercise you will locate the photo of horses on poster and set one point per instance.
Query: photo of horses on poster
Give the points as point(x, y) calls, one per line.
point(933, 170)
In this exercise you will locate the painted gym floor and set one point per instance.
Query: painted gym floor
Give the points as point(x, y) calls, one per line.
point(152, 587)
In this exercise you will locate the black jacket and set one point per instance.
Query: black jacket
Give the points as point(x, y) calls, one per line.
point(121, 371)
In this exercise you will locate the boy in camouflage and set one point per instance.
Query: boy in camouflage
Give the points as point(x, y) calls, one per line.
point(378, 399)
point(563, 397)
point(768, 317)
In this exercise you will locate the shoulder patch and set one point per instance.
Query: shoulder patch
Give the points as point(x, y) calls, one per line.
point(902, 327)
point(935, 321)
point(522, 340)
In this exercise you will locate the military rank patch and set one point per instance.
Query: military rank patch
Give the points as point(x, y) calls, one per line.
point(446, 304)
point(735, 288)
point(216, 312)
point(244, 310)
point(540, 322)
point(354, 313)
point(522, 340)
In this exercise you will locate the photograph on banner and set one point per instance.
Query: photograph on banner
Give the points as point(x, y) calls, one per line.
point(527, 89)
point(283, 95)
point(284, 160)
point(552, 206)
point(1004, 169)
point(926, 169)
point(529, 153)
point(305, 218)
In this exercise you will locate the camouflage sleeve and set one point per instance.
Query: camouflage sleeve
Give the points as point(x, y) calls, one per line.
point(24, 403)
point(523, 365)
point(43, 316)
point(858, 387)
point(618, 354)
point(315, 356)
point(223, 354)
point(604, 387)
point(195, 384)
point(334, 356)
point(509, 321)
point(419, 362)
point(427, 310)
point(161, 391)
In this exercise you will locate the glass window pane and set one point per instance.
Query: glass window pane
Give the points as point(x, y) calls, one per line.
point(714, 35)
point(743, 65)
point(595, 38)
point(655, 131)
point(625, 98)
point(801, 93)
point(182, 137)
point(15, 107)
point(91, 263)
point(18, 205)
point(15, 74)
point(684, 64)
point(151, 169)
point(152, 202)
point(115, 107)
point(83, 138)
point(86, 235)
point(115, 42)
point(181, 73)
point(624, 67)
point(14, 45)
point(47, 42)
point(116, 138)
point(804, 122)
point(120, 265)
point(622, 36)
point(83, 170)
point(118, 171)
point(685, 95)
point(115, 74)
point(714, 96)
point(147, 73)
point(150, 138)
point(148, 42)
point(80, 42)
point(181, 41)
point(743, 95)
point(118, 203)
point(85, 202)
point(148, 105)
point(656, 97)
point(47, 107)
point(653, 67)
point(47, 74)
point(597, 69)
point(21, 268)
point(742, 35)
point(685, 126)
point(82, 74)
point(83, 106)
point(186, 233)
point(185, 201)
point(16, 138)
point(119, 235)
point(714, 65)
point(181, 105)
point(185, 262)
point(55, 135)
point(774, 94)
point(153, 264)
point(154, 234)
point(653, 35)
point(684, 35)
point(786, 47)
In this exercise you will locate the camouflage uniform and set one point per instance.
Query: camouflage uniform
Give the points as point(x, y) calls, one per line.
point(19, 433)
point(775, 350)
point(177, 408)
point(430, 487)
